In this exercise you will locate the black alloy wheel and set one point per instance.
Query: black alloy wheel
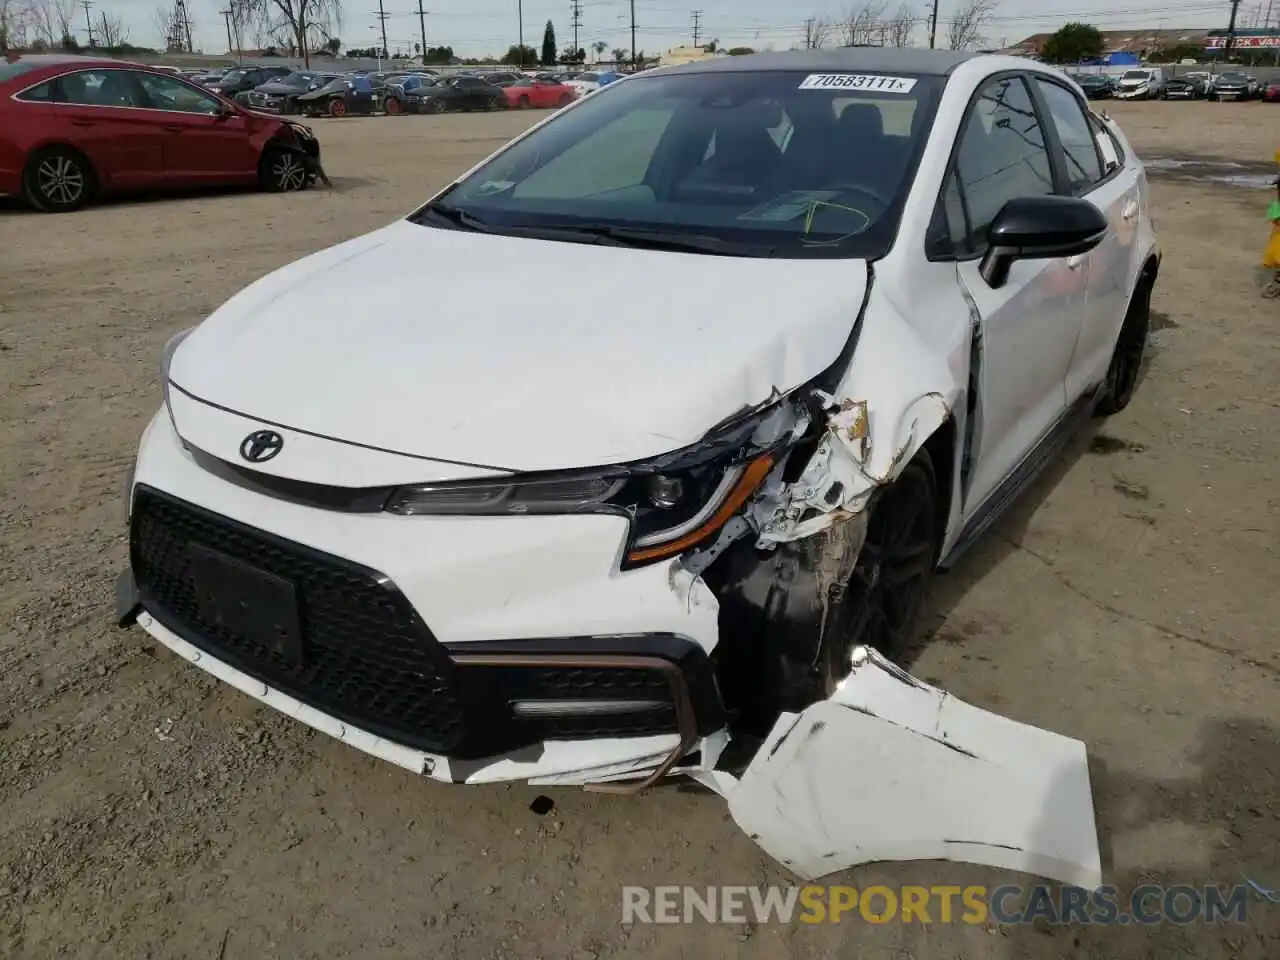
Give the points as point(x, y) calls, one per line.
point(1126, 358)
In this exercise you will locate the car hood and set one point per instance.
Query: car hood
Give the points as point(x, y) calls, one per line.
point(516, 353)
point(278, 89)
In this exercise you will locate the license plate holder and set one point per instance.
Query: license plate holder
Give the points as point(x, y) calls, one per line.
point(247, 601)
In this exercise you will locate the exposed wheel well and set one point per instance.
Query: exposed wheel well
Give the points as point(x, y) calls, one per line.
point(941, 447)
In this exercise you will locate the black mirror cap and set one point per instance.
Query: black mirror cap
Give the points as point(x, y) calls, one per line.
point(1036, 228)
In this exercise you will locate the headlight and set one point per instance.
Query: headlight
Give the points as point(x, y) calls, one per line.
point(674, 502)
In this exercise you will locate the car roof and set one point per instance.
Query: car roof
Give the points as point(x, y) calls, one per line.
point(935, 63)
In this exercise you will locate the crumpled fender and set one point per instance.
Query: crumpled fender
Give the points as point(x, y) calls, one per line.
point(890, 768)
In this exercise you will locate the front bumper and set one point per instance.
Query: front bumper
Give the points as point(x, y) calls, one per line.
point(619, 673)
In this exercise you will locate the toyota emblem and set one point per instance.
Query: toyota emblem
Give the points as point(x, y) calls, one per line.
point(261, 445)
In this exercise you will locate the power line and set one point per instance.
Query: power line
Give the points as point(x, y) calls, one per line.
point(697, 26)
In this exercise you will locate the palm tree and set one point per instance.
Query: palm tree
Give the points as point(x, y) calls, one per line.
point(599, 47)
point(619, 55)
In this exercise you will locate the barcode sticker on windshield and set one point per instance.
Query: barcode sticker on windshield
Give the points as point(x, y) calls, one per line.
point(857, 81)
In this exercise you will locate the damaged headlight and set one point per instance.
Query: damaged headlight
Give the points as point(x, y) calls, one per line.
point(674, 502)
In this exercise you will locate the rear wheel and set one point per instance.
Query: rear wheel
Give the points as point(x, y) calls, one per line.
point(337, 108)
point(564, 101)
point(435, 105)
point(523, 103)
point(1126, 358)
point(282, 170)
point(497, 103)
point(393, 107)
point(58, 180)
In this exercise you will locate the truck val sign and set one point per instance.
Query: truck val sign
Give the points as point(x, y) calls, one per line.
point(1245, 43)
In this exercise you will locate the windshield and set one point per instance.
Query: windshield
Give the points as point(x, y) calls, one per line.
point(1234, 78)
point(589, 77)
point(296, 80)
point(777, 163)
point(1135, 75)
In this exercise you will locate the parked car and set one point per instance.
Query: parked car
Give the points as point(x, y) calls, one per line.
point(698, 553)
point(207, 77)
point(1203, 80)
point(1143, 83)
point(1233, 86)
point(1096, 86)
point(1271, 91)
point(500, 78)
point(244, 79)
point(591, 80)
point(1181, 88)
point(281, 95)
point(397, 90)
point(341, 96)
point(439, 96)
point(529, 92)
point(74, 128)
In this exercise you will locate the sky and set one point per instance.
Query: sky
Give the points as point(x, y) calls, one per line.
point(477, 28)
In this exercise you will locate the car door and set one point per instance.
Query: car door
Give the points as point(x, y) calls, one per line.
point(203, 140)
point(1029, 324)
point(101, 113)
point(1096, 171)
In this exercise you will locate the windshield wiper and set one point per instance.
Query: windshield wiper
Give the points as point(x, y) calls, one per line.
point(455, 216)
point(649, 239)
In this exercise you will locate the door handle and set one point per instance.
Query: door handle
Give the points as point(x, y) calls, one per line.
point(173, 127)
point(1075, 263)
point(82, 123)
point(1130, 210)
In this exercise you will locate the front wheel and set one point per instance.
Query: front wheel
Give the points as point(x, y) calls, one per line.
point(337, 108)
point(58, 180)
point(393, 107)
point(433, 106)
point(282, 170)
point(883, 599)
point(523, 103)
point(1126, 358)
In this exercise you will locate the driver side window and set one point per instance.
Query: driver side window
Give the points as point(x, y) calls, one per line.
point(165, 93)
point(1001, 154)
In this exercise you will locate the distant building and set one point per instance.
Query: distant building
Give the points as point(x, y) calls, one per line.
point(1139, 43)
point(1245, 40)
point(678, 56)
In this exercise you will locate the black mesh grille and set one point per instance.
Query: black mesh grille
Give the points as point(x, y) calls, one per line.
point(367, 657)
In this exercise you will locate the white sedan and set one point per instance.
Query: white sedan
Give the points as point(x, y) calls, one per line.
point(774, 338)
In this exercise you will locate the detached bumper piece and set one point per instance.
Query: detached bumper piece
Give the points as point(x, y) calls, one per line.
point(341, 638)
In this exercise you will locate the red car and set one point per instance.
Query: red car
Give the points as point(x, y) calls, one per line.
point(528, 92)
point(1271, 91)
point(72, 128)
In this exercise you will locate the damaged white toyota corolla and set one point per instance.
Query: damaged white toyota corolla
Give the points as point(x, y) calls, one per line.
point(704, 377)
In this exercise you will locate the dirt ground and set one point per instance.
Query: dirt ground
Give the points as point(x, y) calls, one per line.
point(148, 811)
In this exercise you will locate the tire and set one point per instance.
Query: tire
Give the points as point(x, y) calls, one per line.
point(884, 598)
point(337, 108)
point(282, 170)
point(523, 103)
point(393, 107)
point(58, 180)
point(1126, 358)
point(497, 104)
point(564, 101)
point(434, 105)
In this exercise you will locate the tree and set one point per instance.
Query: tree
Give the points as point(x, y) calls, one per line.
point(1072, 43)
point(52, 20)
point(599, 47)
point(333, 45)
point(861, 26)
point(898, 28)
point(965, 28)
point(619, 54)
point(291, 22)
point(570, 55)
point(438, 55)
point(111, 31)
point(524, 56)
point(711, 47)
point(816, 33)
point(549, 45)
point(1177, 52)
point(740, 51)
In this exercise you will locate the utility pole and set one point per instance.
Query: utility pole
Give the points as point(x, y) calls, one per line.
point(576, 9)
point(697, 26)
point(933, 25)
point(422, 25)
point(88, 21)
point(1231, 31)
point(633, 36)
point(382, 25)
point(226, 16)
point(520, 47)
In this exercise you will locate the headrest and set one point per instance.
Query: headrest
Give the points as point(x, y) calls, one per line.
point(861, 120)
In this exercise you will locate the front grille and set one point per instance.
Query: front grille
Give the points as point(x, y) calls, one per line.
point(367, 657)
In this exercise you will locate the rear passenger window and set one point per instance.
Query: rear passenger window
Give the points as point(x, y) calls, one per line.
point(1002, 153)
point(1084, 168)
point(40, 93)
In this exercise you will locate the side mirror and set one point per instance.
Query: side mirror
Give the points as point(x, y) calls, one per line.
point(1037, 228)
